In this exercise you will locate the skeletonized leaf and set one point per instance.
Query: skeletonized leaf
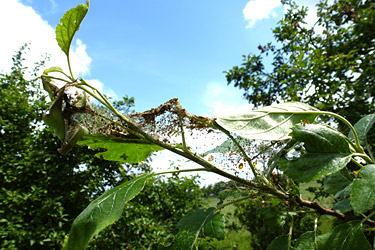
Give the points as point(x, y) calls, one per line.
point(102, 212)
point(69, 25)
point(269, 123)
point(362, 196)
point(362, 127)
point(120, 149)
point(327, 151)
point(189, 228)
point(346, 236)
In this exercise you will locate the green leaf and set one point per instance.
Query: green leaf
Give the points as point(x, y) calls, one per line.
point(280, 243)
point(190, 226)
point(342, 206)
point(344, 192)
point(362, 196)
point(337, 181)
point(273, 218)
point(54, 117)
point(346, 236)
point(362, 127)
point(269, 123)
point(229, 146)
point(327, 151)
point(53, 69)
point(102, 212)
point(69, 25)
point(306, 241)
point(215, 226)
point(120, 149)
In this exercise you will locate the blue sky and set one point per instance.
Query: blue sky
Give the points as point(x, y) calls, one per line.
point(157, 50)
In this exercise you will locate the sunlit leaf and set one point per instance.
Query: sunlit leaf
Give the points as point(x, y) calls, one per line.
point(348, 236)
point(52, 69)
point(332, 154)
point(120, 149)
point(362, 127)
point(69, 25)
point(362, 196)
point(268, 123)
point(102, 212)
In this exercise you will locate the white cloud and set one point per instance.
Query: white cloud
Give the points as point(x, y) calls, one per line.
point(80, 59)
point(31, 28)
point(256, 10)
point(221, 99)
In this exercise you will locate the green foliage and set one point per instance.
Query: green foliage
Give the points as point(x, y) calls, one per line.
point(362, 127)
point(267, 218)
point(280, 243)
point(69, 25)
point(102, 212)
point(347, 236)
point(120, 149)
point(208, 222)
point(332, 155)
point(362, 196)
point(150, 218)
point(215, 226)
point(337, 181)
point(306, 241)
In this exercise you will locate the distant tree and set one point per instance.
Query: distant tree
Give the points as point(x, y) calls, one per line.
point(332, 68)
point(42, 191)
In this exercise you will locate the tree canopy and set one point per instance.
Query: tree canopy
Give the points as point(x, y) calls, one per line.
point(329, 65)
